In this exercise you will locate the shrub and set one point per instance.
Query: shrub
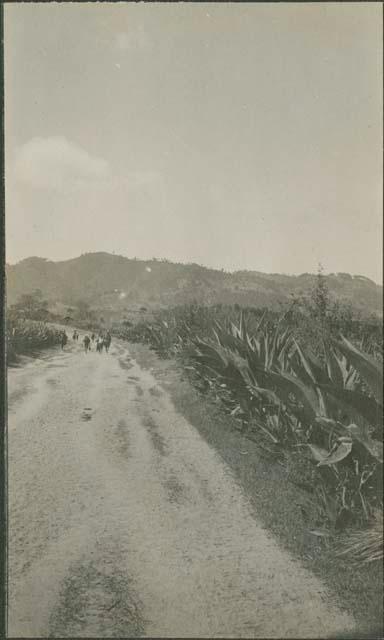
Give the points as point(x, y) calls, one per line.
point(26, 336)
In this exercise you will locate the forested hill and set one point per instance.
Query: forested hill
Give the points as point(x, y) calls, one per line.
point(114, 282)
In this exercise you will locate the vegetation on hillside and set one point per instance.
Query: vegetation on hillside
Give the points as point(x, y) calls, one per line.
point(108, 281)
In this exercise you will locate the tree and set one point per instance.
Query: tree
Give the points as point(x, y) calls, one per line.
point(83, 309)
point(32, 306)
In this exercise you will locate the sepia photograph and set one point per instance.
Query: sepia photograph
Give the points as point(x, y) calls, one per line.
point(193, 319)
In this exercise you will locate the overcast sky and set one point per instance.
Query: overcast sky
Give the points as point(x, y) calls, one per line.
point(233, 135)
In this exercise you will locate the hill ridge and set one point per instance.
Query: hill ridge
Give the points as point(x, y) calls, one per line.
point(115, 281)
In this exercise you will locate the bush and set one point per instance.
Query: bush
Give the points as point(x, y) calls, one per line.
point(26, 336)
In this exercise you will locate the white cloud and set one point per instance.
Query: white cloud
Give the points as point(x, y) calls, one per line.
point(55, 163)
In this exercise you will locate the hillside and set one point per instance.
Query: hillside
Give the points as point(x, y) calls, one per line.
point(115, 282)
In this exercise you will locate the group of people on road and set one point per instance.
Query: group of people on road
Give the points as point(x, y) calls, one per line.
point(103, 341)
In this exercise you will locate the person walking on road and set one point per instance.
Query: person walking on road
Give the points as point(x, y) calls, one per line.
point(63, 340)
point(107, 341)
point(86, 342)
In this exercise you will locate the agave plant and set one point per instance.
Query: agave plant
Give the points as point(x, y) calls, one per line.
point(341, 407)
point(28, 335)
point(348, 418)
point(326, 408)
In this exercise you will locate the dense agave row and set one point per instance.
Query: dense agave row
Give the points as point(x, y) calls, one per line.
point(24, 336)
point(324, 410)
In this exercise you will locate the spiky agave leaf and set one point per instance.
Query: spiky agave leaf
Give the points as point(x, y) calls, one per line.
point(331, 426)
point(355, 405)
point(267, 395)
point(334, 367)
point(362, 435)
point(285, 345)
point(369, 369)
point(260, 323)
point(318, 453)
point(338, 453)
point(287, 384)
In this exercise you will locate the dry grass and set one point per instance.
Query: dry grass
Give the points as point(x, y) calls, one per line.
point(365, 545)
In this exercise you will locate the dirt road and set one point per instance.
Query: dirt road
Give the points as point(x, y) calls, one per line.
point(123, 522)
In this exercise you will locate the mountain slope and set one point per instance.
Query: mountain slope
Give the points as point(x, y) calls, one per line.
point(109, 281)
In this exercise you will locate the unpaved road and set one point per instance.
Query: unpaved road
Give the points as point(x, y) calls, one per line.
point(123, 522)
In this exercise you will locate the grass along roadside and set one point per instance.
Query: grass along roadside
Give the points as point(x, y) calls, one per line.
point(283, 507)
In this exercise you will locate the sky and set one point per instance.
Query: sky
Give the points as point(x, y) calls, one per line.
point(238, 136)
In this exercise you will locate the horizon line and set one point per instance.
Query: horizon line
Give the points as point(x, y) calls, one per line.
point(167, 260)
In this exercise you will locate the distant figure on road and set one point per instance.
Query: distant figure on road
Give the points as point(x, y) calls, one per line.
point(64, 339)
point(99, 344)
point(93, 337)
point(107, 341)
point(87, 342)
point(75, 335)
